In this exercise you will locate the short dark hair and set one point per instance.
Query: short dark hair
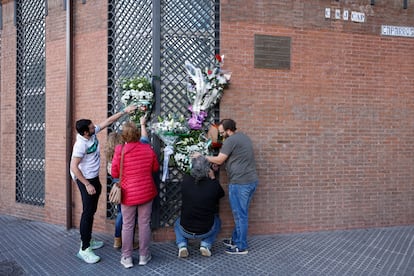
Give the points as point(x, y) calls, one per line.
point(228, 124)
point(82, 125)
point(200, 167)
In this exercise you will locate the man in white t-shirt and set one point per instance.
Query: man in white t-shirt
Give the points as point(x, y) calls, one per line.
point(84, 169)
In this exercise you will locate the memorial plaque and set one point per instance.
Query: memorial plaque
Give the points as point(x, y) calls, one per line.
point(272, 52)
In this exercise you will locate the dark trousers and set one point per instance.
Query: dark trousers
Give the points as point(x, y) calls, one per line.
point(90, 204)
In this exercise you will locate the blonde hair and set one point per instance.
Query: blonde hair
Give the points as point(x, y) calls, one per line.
point(130, 132)
point(114, 139)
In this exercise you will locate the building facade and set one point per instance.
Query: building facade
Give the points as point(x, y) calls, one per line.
point(325, 89)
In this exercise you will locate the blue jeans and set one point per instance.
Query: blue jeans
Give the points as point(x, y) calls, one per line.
point(207, 239)
point(240, 196)
point(118, 222)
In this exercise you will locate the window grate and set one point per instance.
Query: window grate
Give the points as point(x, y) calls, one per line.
point(30, 102)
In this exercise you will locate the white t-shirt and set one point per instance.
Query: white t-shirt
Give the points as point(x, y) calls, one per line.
point(88, 151)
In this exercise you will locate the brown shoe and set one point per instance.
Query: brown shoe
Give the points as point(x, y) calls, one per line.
point(117, 242)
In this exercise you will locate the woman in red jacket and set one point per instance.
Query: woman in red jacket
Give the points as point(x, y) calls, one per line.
point(138, 191)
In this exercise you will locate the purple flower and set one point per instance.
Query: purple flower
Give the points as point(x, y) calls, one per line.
point(196, 120)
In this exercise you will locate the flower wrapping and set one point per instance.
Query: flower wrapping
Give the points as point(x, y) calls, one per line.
point(169, 130)
point(205, 89)
point(196, 120)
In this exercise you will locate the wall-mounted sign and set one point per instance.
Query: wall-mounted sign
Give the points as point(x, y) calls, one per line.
point(358, 17)
point(344, 15)
point(327, 13)
point(397, 31)
point(337, 14)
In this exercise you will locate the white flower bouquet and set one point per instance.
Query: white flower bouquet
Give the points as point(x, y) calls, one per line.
point(137, 91)
point(185, 147)
point(204, 90)
point(169, 129)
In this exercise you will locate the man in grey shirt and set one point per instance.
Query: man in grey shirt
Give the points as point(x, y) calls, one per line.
point(237, 153)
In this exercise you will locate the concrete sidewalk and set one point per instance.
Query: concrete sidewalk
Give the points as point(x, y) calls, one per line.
point(37, 248)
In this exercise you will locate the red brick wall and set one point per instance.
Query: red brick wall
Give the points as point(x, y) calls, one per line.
point(56, 111)
point(8, 109)
point(333, 134)
point(90, 85)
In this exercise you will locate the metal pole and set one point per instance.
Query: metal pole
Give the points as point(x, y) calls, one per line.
point(68, 5)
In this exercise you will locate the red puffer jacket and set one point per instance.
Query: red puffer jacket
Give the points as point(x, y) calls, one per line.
point(137, 183)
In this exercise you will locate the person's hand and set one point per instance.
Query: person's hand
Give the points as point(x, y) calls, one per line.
point(130, 108)
point(214, 167)
point(90, 189)
point(143, 119)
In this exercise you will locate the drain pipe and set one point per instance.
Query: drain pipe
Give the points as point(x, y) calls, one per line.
point(69, 104)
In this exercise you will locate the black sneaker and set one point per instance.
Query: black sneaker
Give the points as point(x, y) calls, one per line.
point(236, 251)
point(229, 243)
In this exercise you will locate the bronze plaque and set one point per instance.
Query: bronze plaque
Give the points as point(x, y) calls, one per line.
point(271, 52)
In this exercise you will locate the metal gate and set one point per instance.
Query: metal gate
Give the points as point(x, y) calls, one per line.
point(154, 39)
point(30, 101)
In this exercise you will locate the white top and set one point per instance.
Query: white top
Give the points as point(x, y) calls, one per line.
point(88, 151)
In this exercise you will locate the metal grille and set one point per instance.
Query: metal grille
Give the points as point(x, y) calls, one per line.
point(129, 54)
point(188, 32)
point(30, 102)
point(141, 45)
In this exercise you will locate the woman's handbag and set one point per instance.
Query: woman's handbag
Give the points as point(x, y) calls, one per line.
point(115, 193)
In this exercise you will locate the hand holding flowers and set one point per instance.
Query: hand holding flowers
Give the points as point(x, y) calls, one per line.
point(129, 109)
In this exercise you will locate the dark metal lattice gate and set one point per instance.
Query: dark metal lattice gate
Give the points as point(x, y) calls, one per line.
point(154, 39)
point(30, 101)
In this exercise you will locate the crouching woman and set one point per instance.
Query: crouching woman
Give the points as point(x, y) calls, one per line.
point(201, 193)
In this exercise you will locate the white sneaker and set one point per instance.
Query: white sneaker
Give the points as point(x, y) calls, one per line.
point(127, 262)
point(143, 260)
point(94, 244)
point(183, 252)
point(205, 251)
point(88, 256)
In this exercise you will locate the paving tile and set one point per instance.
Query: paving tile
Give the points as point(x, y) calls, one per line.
point(37, 248)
